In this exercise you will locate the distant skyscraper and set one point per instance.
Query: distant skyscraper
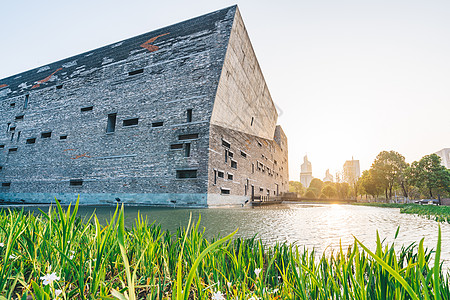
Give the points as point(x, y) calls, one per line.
point(444, 154)
point(306, 172)
point(328, 176)
point(351, 171)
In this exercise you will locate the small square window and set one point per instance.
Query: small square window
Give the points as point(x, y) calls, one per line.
point(59, 86)
point(243, 154)
point(230, 176)
point(46, 135)
point(31, 141)
point(220, 174)
point(2, 146)
point(63, 137)
point(234, 164)
point(12, 149)
point(226, 144)
point(131, 122)
point(12, 104)
point(230, 154)
point(12, 128)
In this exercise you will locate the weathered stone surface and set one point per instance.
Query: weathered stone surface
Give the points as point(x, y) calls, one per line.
point(157, 78)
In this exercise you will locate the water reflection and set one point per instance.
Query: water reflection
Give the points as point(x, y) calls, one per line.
point(312, 226)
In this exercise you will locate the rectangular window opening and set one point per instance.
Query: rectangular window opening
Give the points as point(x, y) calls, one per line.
point(135, 72)
point(63, 137)
point(87, 108)
point(226, 155)
point(31, 141)
point(59, 86)
point(189, 115)
point(251, 123)
point(215, 176)
point(19, 117)
point(18, 135)
point(187, 149)
point(259, 144)
point(111, 125)
point(130, 122)
point(243, 154)
point(12, 128)
point(2, 146)
point(188, 136)
point(226, 144)
point(76, 182)
point(6, 184)
point(46, 135)
point(234, 164)
point(220, 174)
point(12, 104)
point(176, 146)
point(12, 149)
point(1, 168)
point(230, 154)
point(12, 136)
point(230, 176)
point(224, 191)
point(182, 174)
point(25, 103)
point(157, 124)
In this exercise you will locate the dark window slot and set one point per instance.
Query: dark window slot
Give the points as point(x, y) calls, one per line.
point(135, 72)
point(12, 104)
point(2, 146)
point(12, 128)
point(189, 115)
point(19, 117)
point(224, 191)
point(188, 136)
point(46, 135)
point(58, 87)
point(130, 122)
point(251, 123)
point(215, 176)
point(87, 108)
point(1, 168)
point(182, 174)
point(63, 137)
point(31, 141)
point(157, 124)
point(187, 149)
point(220, 174)
point(18, 135)
point(111, 126)
point(230, 176)
point(243, 154)
point(176, 146)
point(230, 154)
point(76, 182)
point(226, 144)
point(13, 149)
point(25, 103)
point(6, 184)
point(12, 136)
point(234, 164)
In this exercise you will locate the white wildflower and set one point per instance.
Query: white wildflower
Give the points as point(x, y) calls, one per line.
point(217, 296)
point(12, 256)
point(49, 278)
point(275, 291)
point(257, 271)
point(229, 284)
point(253, 298)
point(58, 292)
point(2, 245)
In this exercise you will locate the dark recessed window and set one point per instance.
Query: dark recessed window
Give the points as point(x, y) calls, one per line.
point(157, 124)
point(20, 117)
point(1, 168)
point(259, 144)
point(111, 126)
point(188, 136)
point(6, 184)
point(251, 123)
point(2, 146)
point(186, 174)
point(63, 137)
point(13, 149)
point(230, 176)
point(59, 86)
point(189, 115)
point(46, 135)
point(12, 136)
point(226, 144)
point(31, 140)
point(224, 191)
point(76, 182)
point(135, 72)
point(18, 135)
point(230, 154)
point(234, 164)
point(220, 174)
point(176, 146)
point(187, 149)
point(243, 154)
point(25, 103)
point(12, 104)
point(12, 128)
point(131, 122)
point(87, 108)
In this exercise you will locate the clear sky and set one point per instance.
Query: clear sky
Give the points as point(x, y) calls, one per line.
point(351, 78)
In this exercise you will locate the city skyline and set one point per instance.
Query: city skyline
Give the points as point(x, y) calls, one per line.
point(349, 79)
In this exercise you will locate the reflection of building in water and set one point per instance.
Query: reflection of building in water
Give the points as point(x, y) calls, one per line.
point(328, 176)
point(306, 172)
point(444, 154)
point(351, 171)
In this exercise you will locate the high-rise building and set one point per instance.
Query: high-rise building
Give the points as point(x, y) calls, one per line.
point(306, 172)
point(351, 171)
point(179, 116)
point(328, 177)
point(444, 154)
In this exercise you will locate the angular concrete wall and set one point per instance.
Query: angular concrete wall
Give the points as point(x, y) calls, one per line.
point(243, 101)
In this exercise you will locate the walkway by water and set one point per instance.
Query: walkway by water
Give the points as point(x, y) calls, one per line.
point(321, 227)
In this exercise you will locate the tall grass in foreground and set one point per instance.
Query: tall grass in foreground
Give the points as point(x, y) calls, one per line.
point(55, 255)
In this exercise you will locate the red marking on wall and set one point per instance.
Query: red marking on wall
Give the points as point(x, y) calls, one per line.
point(45, 79)
point(80, 156)
point(148, 44)
point(3, 85)
point(69, 150)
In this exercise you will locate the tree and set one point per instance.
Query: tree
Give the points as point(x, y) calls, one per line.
point(296, 187)
point(310, 194)
point(342, 189)
point(388, 169)
point(329, 191)
point(430, 176)
point(316, 185)
point(369, 184)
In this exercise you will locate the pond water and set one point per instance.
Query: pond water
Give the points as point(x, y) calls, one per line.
point(322, 227)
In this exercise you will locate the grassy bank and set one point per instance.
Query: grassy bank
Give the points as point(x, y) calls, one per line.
point(56, 255)
point(433, 212)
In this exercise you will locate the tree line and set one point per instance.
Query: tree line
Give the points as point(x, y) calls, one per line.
point(389, 176)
